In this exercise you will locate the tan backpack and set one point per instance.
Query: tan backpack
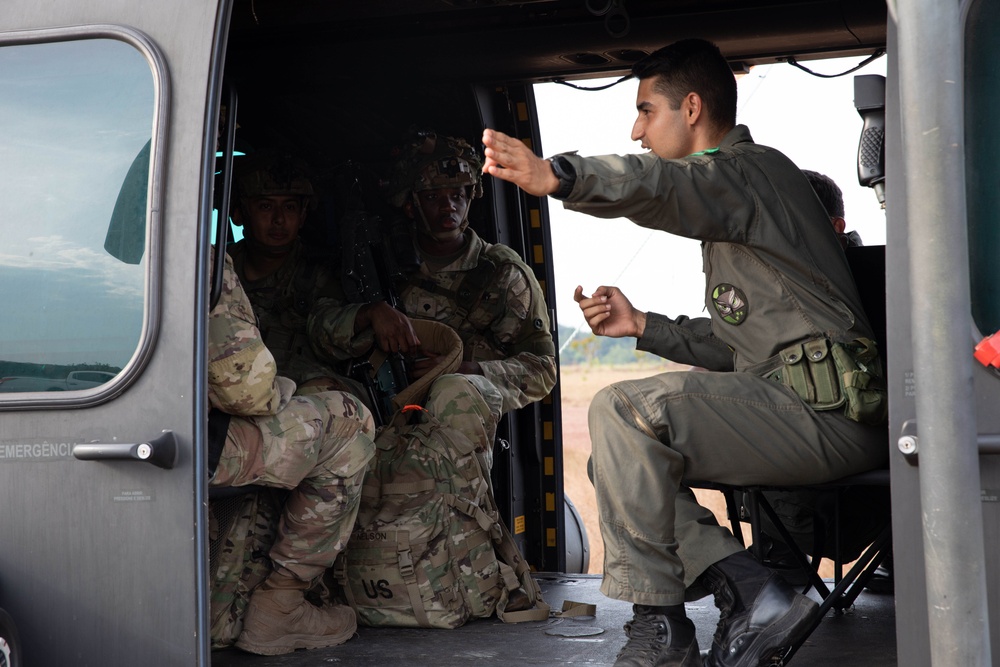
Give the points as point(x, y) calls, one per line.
point(429, 548)
point(242, 529)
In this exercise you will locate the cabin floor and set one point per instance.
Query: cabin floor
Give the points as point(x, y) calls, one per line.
point(864, 636)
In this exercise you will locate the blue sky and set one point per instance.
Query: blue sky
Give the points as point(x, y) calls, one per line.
point(74, 115)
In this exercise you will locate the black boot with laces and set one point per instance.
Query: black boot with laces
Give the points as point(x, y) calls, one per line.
point(659, 637)
point(760, 615)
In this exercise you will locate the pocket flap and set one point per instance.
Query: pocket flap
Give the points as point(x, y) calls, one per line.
point(816, 350)
point(791, 355)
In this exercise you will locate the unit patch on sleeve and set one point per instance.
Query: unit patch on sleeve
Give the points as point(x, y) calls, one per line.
point(731, 303)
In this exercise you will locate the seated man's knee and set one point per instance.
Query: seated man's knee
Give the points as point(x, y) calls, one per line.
point(464, 393)
point(338, 409)
point(346, 444)
point(603, 405)
point(471, 406)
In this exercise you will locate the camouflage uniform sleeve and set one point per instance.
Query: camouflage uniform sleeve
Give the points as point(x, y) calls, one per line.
point(331, 331)
point(242, 376)
point(528, 374)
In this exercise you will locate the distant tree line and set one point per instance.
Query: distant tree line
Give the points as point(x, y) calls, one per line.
point(54, 371)
point(586, 348)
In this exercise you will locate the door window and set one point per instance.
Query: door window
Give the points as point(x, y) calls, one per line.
point(76, 118)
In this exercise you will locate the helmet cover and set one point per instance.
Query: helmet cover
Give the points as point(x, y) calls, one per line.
point(432, 162)
point(274, 174)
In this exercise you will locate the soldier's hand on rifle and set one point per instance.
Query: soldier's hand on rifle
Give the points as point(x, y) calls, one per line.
point(393, 330)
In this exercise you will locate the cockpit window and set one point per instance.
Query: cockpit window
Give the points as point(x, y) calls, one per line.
point(76, 118)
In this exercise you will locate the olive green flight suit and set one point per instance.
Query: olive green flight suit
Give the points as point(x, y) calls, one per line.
point(775, 276)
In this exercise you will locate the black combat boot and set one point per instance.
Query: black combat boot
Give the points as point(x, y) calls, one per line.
point(659, 637)
point(760, 615)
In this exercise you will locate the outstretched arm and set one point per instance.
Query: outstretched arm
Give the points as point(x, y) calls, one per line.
point(609, 313)
point(510, 160)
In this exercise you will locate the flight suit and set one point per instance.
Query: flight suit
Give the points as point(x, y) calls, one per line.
point(776, 277)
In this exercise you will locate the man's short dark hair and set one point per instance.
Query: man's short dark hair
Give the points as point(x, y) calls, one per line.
point(829, 193)
point(693, 66)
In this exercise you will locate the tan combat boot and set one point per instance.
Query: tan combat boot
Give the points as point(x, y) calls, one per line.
point(279, 620)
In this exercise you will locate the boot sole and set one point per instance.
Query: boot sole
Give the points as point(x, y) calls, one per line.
point(290, 643)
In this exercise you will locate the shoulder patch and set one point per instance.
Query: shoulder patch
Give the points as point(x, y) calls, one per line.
point(731, 303)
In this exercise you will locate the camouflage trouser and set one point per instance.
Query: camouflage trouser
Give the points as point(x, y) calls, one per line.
point(470, 404)
point(317, 447)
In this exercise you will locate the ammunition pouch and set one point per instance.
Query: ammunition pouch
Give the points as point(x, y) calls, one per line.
point(828, 375)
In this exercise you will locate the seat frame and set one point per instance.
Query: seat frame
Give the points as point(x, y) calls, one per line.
point(846, 587)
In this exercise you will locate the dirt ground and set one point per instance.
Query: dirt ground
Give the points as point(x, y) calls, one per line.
point(578, 386)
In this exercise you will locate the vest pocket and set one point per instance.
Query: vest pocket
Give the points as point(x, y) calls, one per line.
point(809, 370)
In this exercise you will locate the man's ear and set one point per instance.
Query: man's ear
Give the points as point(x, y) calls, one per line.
point(236, 215)
point(839, 224)
point(408, 209)
point(692, 107)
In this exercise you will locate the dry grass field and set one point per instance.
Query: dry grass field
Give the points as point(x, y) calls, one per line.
point(578, 385)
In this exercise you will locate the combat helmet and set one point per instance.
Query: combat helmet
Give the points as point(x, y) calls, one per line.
point(273, 174)
point(430, 162)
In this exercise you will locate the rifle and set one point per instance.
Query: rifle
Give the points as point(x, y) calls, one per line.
point(370, 272)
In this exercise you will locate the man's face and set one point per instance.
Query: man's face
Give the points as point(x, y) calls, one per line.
point(658, 127)
point(444, 211)
point(275, 220)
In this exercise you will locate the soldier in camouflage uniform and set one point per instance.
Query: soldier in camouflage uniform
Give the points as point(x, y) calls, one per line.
point(483, 291)
point(316, 446)
point(282, 277)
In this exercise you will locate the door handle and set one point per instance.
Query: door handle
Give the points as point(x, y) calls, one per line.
point(160, 451)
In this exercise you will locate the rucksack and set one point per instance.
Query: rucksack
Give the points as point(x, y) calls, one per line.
point(242, 529)
point(429, 548)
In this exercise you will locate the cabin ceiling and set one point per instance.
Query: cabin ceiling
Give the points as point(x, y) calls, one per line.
point(338, 80)
point(492, 40)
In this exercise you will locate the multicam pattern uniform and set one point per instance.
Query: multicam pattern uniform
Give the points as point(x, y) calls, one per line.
point(282, 301)
point(316, 446)
point(506, 330)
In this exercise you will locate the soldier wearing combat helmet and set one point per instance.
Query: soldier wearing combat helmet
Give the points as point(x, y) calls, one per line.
point(483, 291)
point(435, 163)
point(282, 278)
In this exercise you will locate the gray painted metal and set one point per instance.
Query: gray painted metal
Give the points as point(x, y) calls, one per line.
point(930, 75)
point(92, 581)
